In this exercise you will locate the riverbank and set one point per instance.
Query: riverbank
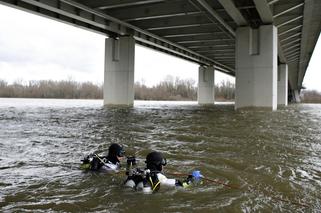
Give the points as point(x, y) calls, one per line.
point(173, 89)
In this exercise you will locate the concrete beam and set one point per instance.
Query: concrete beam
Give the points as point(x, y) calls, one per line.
point(206, 46)
point(264, 11)
point(310, 34)
point(289, 21)
point(215, 15)
point(115, 4)
point(290, 30)
point(155, 11)
point(273, 2)
point(292, 52)
point(221, 54)
point(167, 23)
point(180, 26)
point(204, 40)
point(292, 47)
point(216, 50)
point(294, 59)
point(294, 55)
point(290, 37)
point(292, 42)
point(168, 15)
point(288, 10)
point(76, 16)
point(234, 12)
point(192, 36)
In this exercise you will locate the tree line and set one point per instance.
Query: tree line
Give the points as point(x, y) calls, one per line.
point(181, 89)
point(67, 89)
point(310, 96)
point(169, 89)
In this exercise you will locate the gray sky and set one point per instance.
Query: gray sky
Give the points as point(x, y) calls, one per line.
point(36, 48)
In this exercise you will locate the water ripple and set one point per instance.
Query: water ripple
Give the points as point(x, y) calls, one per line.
point(273, 156)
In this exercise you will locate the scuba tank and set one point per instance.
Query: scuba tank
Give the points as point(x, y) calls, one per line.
point(86, 162)
point(151, 180)
point(131, 165)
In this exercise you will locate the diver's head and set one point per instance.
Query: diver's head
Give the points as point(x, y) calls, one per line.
point(116, 151)
point(155, 161)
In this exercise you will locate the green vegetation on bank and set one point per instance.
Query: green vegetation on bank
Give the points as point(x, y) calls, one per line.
point(168, 89)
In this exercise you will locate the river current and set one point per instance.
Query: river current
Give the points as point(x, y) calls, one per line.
point(273, 158)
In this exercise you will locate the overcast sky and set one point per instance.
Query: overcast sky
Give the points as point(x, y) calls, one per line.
point(37, 48)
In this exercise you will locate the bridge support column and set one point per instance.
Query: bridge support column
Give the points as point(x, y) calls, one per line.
point(205, 93)
point(283, 85)
point(256, 67)
point(296, 96)
point(119, 71)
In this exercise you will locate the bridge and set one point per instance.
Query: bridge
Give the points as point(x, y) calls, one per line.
point(265, 44)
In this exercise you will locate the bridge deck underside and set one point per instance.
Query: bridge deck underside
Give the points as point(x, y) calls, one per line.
point(201, 31)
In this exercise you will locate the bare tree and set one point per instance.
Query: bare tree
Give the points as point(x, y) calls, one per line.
point(311, 96)
point(169, 89)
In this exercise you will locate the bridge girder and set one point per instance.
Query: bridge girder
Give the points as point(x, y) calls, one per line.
point(196, 30)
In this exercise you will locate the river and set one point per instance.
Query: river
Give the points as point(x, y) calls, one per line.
point(274, 158)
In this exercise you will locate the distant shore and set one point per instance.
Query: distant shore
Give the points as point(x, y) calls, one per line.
point(310, 96)
point(173, 89)
point(170, 89)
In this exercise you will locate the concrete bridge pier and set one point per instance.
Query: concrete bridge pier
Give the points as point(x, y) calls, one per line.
point(256, 67)
point(283, 85)
point(296, 96)
point(205, 93)
point(119, 71)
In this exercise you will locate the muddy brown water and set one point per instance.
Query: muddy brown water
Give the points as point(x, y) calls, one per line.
point(274, 158)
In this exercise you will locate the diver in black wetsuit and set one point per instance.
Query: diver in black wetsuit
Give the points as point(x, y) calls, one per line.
point(151, 178)
point(109, 163)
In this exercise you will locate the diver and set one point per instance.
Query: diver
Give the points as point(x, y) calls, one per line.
point(151, 178)
point(109, 163)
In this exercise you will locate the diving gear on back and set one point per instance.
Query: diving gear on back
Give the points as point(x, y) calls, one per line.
point(107, 163)
point(147, 181)
point(150, 179)
point(95, 162)
point(144, 180)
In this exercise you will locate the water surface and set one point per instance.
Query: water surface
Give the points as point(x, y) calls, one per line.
point(274, 157)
